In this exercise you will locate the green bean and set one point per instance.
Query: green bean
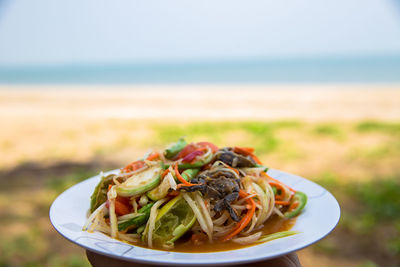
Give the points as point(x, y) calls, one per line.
point(175, 148)
point(137, 221)
point(189, 174)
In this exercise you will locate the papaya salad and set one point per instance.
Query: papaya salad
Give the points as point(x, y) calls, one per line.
point(196, 194)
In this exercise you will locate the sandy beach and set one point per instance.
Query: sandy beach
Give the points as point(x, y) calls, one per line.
point(204, 102)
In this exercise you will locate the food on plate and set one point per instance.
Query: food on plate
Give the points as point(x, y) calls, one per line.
point(194, 197)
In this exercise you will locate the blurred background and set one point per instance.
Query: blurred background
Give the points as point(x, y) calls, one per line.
point(314, 86)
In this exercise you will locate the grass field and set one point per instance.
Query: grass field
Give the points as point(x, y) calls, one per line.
point(357, 161)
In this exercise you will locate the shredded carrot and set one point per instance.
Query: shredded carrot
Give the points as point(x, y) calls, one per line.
point(180, 178)
point(278, 186)
point(282, 203)
point(153, 156)
point(249, 149)
point(269, 177)
point(245, 220)
point(233, 169)
point(165, 173)
point(256, 159)
point(293, 206)
point(243, 150)
point(257, 202)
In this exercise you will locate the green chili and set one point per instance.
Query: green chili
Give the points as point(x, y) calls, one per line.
point(298, 203)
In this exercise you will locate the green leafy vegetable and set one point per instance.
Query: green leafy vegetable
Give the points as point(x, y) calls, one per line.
point(99, 195)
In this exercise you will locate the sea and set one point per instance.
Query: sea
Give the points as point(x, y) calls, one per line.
point(371, 69)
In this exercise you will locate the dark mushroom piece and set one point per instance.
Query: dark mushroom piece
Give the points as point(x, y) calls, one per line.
point(221, 190)
point(233, 159)
point(225, 203)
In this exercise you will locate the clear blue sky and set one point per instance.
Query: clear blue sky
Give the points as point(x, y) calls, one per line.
point(90, 31)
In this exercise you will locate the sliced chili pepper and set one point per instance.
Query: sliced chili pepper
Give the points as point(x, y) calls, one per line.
point(299, 200)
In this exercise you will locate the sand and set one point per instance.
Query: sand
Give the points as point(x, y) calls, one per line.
point(349, 102)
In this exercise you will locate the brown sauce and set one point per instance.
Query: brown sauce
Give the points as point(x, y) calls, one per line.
point(272, 225)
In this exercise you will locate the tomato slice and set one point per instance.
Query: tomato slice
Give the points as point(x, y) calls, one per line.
point(121, 208)
point(136, 165)
point(213, 147)
point(186, 151)
point(122, 205)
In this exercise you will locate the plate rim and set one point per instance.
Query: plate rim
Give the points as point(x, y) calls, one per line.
point(226, 261)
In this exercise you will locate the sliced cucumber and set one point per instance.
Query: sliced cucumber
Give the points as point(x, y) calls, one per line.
point(160, 191)
point(140, 182)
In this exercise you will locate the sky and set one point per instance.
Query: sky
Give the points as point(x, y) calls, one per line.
point(51, 32)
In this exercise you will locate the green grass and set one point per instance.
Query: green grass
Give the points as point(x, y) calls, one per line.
point(374, 211)
point(76, 175)
point(329, 130)
point(376, 126)
point(261, 136)
point(380, 198)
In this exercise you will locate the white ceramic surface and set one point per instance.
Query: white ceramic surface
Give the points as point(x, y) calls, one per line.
point(318, 219)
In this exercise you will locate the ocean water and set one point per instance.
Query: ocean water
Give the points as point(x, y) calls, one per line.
point(321, 70)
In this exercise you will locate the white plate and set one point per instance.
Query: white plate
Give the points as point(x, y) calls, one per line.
point(318, 219)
